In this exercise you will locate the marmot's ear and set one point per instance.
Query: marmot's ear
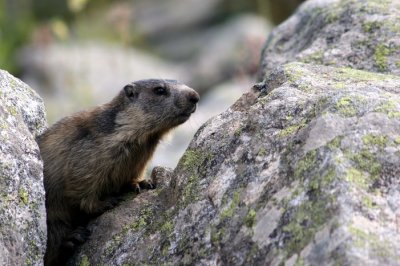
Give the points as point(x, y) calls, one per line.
point(130, 91)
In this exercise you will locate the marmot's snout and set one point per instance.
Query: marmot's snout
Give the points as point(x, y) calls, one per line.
point(193, 98)
point(187, 101)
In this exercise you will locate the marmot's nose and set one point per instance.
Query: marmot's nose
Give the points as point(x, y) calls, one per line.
point(193, 97)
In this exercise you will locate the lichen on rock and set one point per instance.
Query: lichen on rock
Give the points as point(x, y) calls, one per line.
point(346, 33)
point(22, 197)
point(302, 170)
point(321, 170)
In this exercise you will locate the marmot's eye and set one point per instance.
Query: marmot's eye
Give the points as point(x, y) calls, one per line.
point(160, 90)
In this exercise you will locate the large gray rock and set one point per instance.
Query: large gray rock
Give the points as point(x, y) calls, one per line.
point(304, 169)
point(22, 197)
point(358, 34)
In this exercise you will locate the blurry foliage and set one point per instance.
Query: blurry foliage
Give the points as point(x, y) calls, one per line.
point(47, 9)
point(16, 22)
point(278, 10)
point(77, 5)
point(274, 10)
point(20, 18)
point(115, 24)
point(46, 20)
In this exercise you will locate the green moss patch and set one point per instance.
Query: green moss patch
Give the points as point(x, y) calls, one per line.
point(217, 235)
point(304, 165)
point(315, 57)
point(238, 132)
point(167, 228)
point(230, 210)
point(250, 219)
point(190, 192)
point(379, 247)
point(368, 202)
point(192, 159)
point(375, 140)
point(366, 168)
point(294, 71)
point(354, 76)
point(389, 107)
point(23, 196)
point(377, 6)
point(262, 152)
point(335, 143)
point(354, 176)
point(371, 26)
point(292, 129)
point(380, 55)
point(303, 220)
point(319, 182)
point(84, 261)
point(347, 106)
point(366, 161)
point(144, 218)
point(307, 220)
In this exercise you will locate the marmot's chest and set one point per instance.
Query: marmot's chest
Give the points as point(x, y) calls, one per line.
point(129, 162)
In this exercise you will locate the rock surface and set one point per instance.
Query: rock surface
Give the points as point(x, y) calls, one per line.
point(357, 34)
point(303, 169)
point(22, 197)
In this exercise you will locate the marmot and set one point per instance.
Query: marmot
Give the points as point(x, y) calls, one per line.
point(91, 156)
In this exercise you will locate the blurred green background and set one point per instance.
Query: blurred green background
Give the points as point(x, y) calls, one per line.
point(20, 20)
point(80, 53)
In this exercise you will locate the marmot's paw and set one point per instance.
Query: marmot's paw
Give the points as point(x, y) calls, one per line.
point(77, 237)
point(144, 184)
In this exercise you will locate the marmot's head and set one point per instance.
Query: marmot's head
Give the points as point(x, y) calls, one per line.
point(156, 105)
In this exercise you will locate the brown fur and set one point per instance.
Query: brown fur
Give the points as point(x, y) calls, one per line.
point(91, 156)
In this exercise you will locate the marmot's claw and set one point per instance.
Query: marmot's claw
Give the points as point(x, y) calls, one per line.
point(144, 184)
point(147, 184)
point(136, 188)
